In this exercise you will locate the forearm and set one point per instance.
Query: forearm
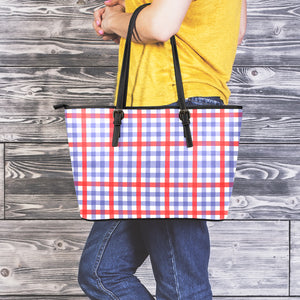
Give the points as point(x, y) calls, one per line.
point(243, 22)
point(118, 24)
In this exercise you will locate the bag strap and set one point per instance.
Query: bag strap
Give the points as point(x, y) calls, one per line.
point(118, 113)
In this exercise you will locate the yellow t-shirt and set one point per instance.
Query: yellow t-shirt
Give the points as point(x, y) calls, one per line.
point(206, 43)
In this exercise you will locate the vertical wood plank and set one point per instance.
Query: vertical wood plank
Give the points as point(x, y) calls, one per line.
point(295, 259)
point(2, 187)
point(249, 258)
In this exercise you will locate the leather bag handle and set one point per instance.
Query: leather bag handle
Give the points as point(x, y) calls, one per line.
point(118, 113)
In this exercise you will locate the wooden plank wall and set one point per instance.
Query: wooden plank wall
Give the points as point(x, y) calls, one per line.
point(50, 54)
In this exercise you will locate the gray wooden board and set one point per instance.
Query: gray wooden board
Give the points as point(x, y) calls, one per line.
point(39, 182)
point(34, 91)
point(295, 258)
point(60, 33)
point(228, 276)
point(270, 97)
point(41, 257)
point(2, 181)
point(267, 128)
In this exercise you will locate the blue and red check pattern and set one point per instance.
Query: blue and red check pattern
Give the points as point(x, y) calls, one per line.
point(152, 174)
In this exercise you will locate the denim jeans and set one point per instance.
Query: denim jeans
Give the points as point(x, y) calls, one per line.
point(198, 101)
point(179, 251)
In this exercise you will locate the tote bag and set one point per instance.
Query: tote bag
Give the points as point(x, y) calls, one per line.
point(153, 162)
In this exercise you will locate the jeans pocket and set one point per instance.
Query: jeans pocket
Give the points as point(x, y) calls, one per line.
point(199, 101)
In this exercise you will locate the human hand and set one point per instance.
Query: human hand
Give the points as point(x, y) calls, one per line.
point(110, 18)
point(98, 14)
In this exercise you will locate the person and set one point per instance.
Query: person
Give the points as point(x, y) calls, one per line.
point(207, 35)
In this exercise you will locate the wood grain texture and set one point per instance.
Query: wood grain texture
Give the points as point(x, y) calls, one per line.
point(53, 33)
point(2, 175)
point(295, 258)
point(267, 182)
point(39, 182)
point(60, 34)
point(47, 185)
point(57, 52)
point(41, 257)
point(271, 129)
point(270, 97)
point(34, 91)
point(228, 277)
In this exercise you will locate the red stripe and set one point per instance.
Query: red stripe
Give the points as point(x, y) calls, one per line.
point(195, 161)
point(167, 165)
point(144, 114)
point(156, 143)
point(84, 164)
point(222, 166)
point(139, 164)
point(111, 169)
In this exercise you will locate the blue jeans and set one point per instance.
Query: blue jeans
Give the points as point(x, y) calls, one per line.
point(179, 252)
point(198, 101)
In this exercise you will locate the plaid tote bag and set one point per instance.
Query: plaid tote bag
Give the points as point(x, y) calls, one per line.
point(153, 162)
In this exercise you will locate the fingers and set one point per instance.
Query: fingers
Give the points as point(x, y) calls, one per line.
point(98, 16)
point(98, 29)
point(115, 2)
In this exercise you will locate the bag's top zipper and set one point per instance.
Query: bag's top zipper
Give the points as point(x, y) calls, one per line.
point(66, 106)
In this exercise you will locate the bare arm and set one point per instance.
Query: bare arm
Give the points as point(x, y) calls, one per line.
point(243, 23)
point(156, 23)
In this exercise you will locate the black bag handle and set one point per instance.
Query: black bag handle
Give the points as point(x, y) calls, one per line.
point(118, 113)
